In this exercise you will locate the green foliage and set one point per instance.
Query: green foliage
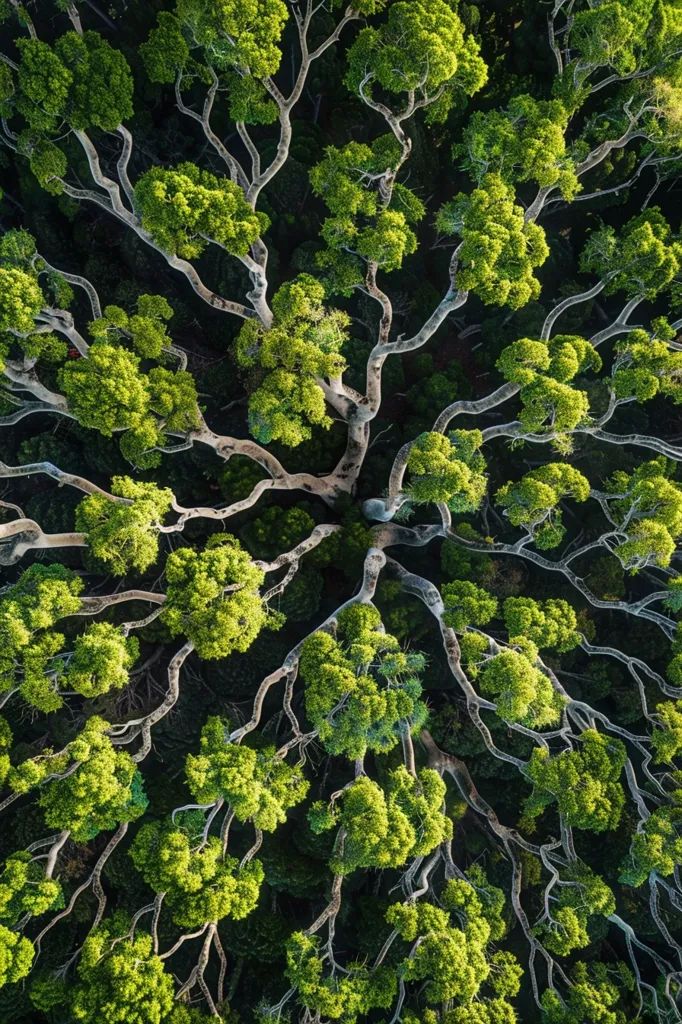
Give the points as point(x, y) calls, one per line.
point(24, 889)
point(285, 407)
point(43, 85)
point(382, 828)
point(108, 392)
point(550, 623)
point(592, 998)
point(362, 692)
point(257, 784)
point(347, 997)
point(145, 328)
point(562, 358)
point(102, 789)
point(550, 407)
point(212, 597)
point(20, 302)
point(524, 142)
point(240, 34)
point(277, 530)
point(337, 785)
point(467, 604)
point(533, 501)
point(28, 612)
point(483, 1011)
point(649, 506)
point(584, 783)
point(449, 953)
point(448, 469)
point(618, 37)
point(82, 80)
point(201, 884)
point(16, 956)
point(121, 980)
point(499, 250)
point(642, 260)
point(101, 660)
point(303, 344)
point(122, 535)
point(544, 370)
point(522, 692)
point(581, 895)
point(372, 215)
point(240, 42)
point(667, 738)
point(183, 208)
point(646, 367)
point(166, 51)
point(5, 747)
point(656, 845)
point(101, 95)
point(423, 47)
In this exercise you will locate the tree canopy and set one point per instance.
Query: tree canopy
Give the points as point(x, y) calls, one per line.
point(340, 511)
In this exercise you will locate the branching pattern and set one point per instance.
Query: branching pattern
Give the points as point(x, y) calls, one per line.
point(390, 728)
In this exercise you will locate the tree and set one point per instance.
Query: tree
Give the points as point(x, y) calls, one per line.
point(484, 1011)
point(102, 789)
point(584, 782)
point(667, 738)
point(373, 216)
point(562, 358)
point(532, 501)
point(362, 691)
point(108, 392)
point(201, 884)
point(581, 896)
point(348, 997)
point(20, 301)
point(449, 951)
point(522, 692)
point(333, 317)
point(234, 35)
point(183, 208)
point(421, 47)
point(544, 370)
point(656, 845)
point(554, 408)
point(550, 623)
point(593, 996)
point(642, 261)
point(648, 506)
point(24, 889)
point(28, 610)
point(258, 785)
point(16, 956)
point(101, 660)
point(448, 469)
point(467, 604)
point(384, 828)
point(616, 38)
point(524, 142)
point(212, 597)
point(646, 366)
point(303, 345)
point(499, 250)
point(82, 81)
point(122, 535)
point(146, 328)
point(121, 978)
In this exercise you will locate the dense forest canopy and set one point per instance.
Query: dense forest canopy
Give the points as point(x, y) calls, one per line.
point(340, 655)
